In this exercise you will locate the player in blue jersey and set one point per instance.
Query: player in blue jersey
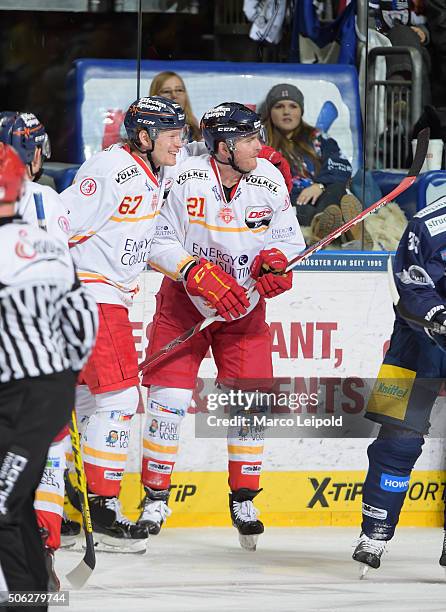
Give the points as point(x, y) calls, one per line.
point(408, 382)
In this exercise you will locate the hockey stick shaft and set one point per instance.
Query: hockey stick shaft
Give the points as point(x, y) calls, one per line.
point(79, 575)
point(408, 181)
point(402, 310)
point(420, 154)
point(40, 211)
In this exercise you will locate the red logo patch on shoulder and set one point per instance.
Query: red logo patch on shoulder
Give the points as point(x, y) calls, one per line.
point(88, 187)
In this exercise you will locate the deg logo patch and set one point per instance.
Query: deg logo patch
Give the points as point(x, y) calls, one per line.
point(88, 187)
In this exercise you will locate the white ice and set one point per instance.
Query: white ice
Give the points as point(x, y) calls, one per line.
point(300, 569)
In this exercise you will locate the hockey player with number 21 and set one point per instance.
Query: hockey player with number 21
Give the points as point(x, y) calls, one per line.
point(113, 205)
point(227, 225)
point(409, 380)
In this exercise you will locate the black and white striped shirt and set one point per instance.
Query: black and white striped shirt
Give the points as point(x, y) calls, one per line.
point(48, 321)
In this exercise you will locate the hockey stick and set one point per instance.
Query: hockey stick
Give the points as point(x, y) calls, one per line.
point(80, 574)
point(402, 310)
point(40, 211)
point(408, 180)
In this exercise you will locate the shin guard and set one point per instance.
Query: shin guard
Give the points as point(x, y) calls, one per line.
point(391, 459)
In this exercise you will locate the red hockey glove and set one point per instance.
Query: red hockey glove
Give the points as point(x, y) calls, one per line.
point(221, 290)
point(269, 270)
point(278, 160)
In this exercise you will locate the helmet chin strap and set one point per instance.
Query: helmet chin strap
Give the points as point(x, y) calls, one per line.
point(232, 163)
point(35, 176)
point(148, 153)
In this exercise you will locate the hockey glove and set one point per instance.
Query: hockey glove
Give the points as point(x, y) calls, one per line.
point(438, 338)
point(278, 160)
point(269, 270)
point(209, 281)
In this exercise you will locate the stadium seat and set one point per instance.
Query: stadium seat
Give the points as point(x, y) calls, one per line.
point(428, 187)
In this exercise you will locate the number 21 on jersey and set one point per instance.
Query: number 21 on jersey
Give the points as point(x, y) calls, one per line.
point(195, 207)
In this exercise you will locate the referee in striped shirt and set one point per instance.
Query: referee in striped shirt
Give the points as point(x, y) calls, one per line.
point(48, 325)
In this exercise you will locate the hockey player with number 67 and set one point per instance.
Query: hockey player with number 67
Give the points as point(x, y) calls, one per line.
point(226, 226)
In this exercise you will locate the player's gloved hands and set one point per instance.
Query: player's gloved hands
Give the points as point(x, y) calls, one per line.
point(439, 337)
point(221, 290)
point(278, 160)
point(269, 270)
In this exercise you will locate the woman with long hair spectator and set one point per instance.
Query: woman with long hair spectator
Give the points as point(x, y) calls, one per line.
point(319, 171)
point(170, 85)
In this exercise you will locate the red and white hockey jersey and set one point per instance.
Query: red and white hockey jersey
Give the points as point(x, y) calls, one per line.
point(112, 206)
point(56, 215)
point(197, 221)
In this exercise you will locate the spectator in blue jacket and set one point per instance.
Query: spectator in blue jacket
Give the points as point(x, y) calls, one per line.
point(319, 170)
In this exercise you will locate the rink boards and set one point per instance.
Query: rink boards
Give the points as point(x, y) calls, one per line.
point(332, 324)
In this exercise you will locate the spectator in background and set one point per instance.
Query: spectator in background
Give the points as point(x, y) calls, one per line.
point(320, 173)
point(170, 85)
point(405, 26)
point(436, 22)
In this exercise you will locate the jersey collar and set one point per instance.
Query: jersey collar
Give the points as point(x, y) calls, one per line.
point(143, 165)
point(214, 167)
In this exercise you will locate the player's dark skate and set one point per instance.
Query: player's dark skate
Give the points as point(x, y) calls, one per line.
point(244, 517)
point(53, 579)
point(154, 510)
point(368, 553)
point(114, 532)
point(443, 553)
point(69, 531)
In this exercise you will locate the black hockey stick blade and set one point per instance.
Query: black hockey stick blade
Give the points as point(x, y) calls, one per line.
point(420, 153)
point(402, 310)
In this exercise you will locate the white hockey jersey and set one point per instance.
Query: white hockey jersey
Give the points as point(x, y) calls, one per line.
point(56, 215)
point(112, 206)
point(197, 221)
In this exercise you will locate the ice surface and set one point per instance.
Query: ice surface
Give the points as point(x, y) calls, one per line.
point(204, 570)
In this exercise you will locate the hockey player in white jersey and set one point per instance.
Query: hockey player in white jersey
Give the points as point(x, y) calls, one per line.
point(113, 206)
point(227, 225)
point(28, 136)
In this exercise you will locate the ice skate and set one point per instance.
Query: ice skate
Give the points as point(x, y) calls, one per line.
point(443, 553)
point(154, 510)
point(53, 579)
point(368, 553)
point(244, 517)
point(112, 531)
point(69, 531)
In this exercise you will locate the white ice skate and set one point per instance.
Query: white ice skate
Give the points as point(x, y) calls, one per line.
point(154, 510)
point(244, 517)
point(368, 553)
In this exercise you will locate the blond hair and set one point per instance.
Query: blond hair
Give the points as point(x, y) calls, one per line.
point(157, 85)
